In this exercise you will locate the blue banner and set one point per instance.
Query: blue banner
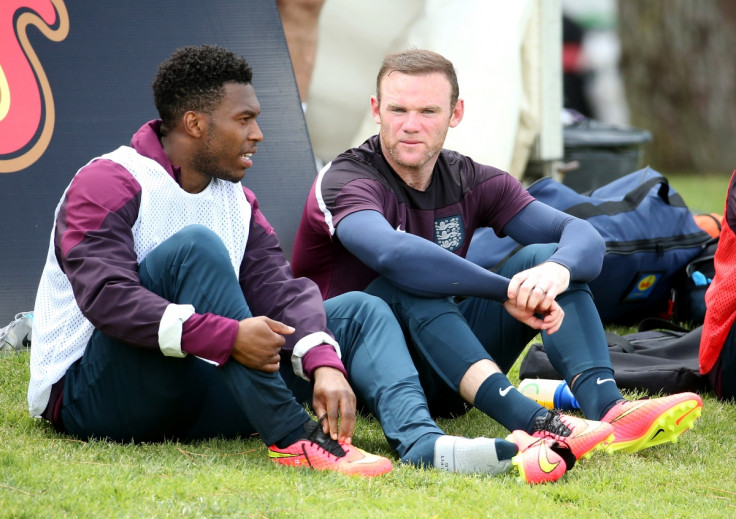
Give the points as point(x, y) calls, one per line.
point(75, 82)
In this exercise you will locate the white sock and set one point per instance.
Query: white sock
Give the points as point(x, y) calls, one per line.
point(471, 455)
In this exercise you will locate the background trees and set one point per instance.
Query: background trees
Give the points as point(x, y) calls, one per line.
point(677, 63)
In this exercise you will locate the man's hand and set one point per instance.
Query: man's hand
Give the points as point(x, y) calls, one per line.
point(532, 294)
point(536, 288)
point(332, 396)
point(549, 321)
point(259, 342)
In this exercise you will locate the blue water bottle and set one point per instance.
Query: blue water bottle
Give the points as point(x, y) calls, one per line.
point(552, 394)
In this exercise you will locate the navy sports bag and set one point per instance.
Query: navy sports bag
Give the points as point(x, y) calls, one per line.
point(650, 235)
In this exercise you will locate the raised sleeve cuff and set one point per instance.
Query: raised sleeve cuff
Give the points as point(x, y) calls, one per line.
point(304, 345)
point(170, 329)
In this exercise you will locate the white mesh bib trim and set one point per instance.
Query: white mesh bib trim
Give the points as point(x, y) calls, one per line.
point(170, 329)
point(307, 343)
point(61, 332)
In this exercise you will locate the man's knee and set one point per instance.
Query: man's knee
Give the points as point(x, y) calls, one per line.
point(359, 305)
point(534, 254)
point(195, 241)
point(194, 245)
point(356, 318)
point(197, 236)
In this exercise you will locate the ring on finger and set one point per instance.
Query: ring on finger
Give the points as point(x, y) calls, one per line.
point(544, 291)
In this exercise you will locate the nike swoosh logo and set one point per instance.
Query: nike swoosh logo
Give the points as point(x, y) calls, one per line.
point(600, 380)
point(504, 392)
point(544, 463)
point(399, 229)
point(367, 458)
point(656, 434)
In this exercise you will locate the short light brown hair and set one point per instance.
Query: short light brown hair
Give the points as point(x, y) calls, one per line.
point(418, 62)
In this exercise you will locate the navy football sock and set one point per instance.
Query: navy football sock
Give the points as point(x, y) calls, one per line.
point(499, 399)
point(596, 392)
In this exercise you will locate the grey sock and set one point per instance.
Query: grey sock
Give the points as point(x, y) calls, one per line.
point(473, 455)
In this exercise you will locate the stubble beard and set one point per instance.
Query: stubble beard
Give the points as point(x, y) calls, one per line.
point(415, 165)
point(206, 162)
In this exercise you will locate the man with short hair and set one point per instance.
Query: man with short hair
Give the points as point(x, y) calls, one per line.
point(395, 216)
point(167, 309)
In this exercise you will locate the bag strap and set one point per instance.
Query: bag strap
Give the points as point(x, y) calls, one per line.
point(630, 201)
point(650, 323)
point(614, 339)
point(716, 221)
point(655, 323)
point(697, 262)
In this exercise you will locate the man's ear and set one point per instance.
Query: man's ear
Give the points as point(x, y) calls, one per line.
point(457, 113)
point(194, 123)
point(374, 109)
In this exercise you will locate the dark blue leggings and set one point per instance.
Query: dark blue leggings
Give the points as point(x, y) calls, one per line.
point(446, 338)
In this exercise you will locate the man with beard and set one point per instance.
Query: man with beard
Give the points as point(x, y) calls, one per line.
point(167, 310)
point(395, 216)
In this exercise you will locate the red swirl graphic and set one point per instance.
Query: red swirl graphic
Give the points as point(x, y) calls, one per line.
point(26, 102)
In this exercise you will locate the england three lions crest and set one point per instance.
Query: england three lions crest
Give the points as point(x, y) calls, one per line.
point(449, 233)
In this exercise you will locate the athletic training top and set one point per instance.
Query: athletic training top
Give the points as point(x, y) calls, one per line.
point(461, 197)
point(720, 298)
point(118, 208)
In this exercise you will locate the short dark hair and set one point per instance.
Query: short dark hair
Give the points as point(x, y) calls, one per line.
point(194, 78)
point(418, 62)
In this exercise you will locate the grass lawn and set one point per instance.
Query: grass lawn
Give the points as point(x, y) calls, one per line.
point(702, 193)
point(43, 474)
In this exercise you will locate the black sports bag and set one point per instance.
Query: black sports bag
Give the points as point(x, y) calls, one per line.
point(651, 360)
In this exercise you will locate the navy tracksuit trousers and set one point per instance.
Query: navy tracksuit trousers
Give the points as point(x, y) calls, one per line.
point(125, 393)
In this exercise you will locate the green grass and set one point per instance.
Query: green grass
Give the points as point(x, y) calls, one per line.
point(703, 193)
point(43, 474)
